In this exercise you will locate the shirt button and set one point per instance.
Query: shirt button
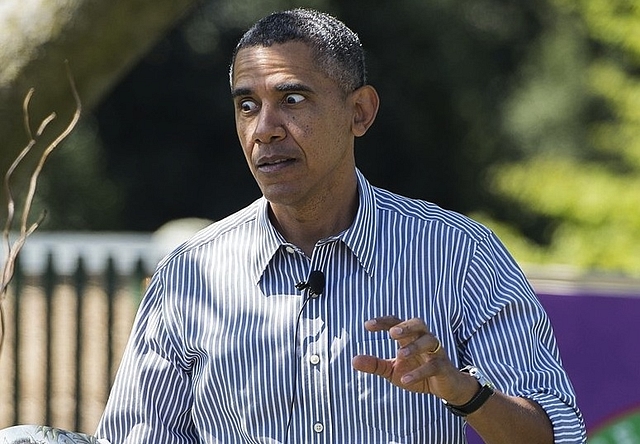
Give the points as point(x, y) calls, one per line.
point(290, 249)
point(314, 359)
point(318, 427)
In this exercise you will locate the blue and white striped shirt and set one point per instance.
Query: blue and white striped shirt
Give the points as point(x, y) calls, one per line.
point(214, 356)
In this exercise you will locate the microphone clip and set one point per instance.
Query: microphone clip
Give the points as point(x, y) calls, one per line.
point(315, 284)
point(302, 285)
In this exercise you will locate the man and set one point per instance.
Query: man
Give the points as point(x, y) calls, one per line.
point(329, 310)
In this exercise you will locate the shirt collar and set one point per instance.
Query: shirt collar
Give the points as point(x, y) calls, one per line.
point(268, 239)
point(360, 237)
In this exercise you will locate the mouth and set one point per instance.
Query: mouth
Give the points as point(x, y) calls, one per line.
point(274, 164)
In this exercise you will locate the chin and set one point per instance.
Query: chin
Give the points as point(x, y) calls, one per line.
point(280, 195)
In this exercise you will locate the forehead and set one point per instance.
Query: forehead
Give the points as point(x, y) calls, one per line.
point(279, 63)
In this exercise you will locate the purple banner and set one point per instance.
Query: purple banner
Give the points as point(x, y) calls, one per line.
point(599, 340)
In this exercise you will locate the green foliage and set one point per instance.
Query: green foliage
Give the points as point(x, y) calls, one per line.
point(595, 212)
point(586, 185)
point(77, 186)
point(442, 69)
point(523, 114)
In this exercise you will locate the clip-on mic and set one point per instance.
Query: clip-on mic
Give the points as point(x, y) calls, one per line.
point(315, 283)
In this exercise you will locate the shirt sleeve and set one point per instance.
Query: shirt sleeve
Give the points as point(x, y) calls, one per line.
point(508, 334)
point(151, 398)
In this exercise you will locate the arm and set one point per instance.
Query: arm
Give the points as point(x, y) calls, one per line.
point(504, 331)
point(417, 368)
point(151, 399)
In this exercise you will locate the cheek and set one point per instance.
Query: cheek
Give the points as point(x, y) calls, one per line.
point(245, 142)
point(241, 129)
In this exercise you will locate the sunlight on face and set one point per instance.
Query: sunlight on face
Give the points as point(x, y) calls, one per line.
point(294, 124)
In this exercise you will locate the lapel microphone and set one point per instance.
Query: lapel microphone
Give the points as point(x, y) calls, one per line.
point(315, 283)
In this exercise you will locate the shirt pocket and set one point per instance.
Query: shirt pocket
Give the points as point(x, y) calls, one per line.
point(383, 406)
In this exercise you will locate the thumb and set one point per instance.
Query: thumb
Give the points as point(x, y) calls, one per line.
point(372, 365)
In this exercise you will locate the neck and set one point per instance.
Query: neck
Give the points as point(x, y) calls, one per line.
point(305, 225)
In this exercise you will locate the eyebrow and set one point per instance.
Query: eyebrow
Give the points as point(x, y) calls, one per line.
point(283, 87)
point(236, 92)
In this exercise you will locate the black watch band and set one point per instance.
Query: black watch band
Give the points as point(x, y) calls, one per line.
point(484, 392)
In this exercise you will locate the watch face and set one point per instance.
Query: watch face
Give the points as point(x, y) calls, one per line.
point(476, 373)
point(479, 375)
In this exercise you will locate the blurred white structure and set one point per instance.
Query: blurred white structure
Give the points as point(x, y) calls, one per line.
point(126, 249)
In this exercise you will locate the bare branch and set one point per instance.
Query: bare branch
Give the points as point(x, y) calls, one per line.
point(13, 248)
point(25, 113)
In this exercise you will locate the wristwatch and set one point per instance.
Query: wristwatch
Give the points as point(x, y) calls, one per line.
point(484, 392)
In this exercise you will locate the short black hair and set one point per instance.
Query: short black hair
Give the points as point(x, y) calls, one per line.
point(337, 49)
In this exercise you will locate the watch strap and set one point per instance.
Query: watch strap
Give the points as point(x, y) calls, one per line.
point(482, 395)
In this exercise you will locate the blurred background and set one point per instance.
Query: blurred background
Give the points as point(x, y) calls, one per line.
point(523, 115)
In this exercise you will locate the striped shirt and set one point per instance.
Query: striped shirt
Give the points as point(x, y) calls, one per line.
point(226, 349)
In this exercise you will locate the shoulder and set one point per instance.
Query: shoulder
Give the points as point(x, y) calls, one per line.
point(392, 205)
point(230, 229)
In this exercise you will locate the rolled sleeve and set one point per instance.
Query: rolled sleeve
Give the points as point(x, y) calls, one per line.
point(508, 334)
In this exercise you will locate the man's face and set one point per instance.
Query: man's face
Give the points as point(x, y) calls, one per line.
point(294, 125)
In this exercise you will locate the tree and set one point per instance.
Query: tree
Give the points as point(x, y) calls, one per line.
point(440, 67)
point(101, 39)
point(582, 181)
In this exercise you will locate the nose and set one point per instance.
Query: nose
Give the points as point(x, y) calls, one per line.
point(269, 125)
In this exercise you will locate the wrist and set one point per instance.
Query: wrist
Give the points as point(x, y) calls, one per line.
point(483, 391)
point(466, 389)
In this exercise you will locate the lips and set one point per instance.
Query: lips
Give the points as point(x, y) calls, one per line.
point(274, 163)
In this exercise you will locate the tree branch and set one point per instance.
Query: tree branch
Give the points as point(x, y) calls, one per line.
point(13, 248)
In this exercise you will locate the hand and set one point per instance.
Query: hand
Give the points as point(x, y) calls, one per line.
point(421, 364)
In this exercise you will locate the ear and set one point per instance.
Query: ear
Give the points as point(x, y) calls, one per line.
point(365, 108)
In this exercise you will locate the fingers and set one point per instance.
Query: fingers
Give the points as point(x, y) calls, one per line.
point(373, 365)
point(390, 369)
point(418, 374)
point(420, 354)
point(412, 335)
point(397, 327)
point(383, 323)
point(426, 344)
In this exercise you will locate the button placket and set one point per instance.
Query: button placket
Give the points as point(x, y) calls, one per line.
point(314, 347)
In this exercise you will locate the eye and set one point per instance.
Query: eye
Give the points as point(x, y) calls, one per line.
point(248, 106)
point(292, 99)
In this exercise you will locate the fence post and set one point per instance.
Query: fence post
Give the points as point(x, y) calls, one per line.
point(18, 285)
point(140, 280)
point(49, 285)
point(110, 287)
point(80, 281)
point(43, 314)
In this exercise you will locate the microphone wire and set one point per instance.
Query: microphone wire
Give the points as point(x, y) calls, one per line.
point(295, 366)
